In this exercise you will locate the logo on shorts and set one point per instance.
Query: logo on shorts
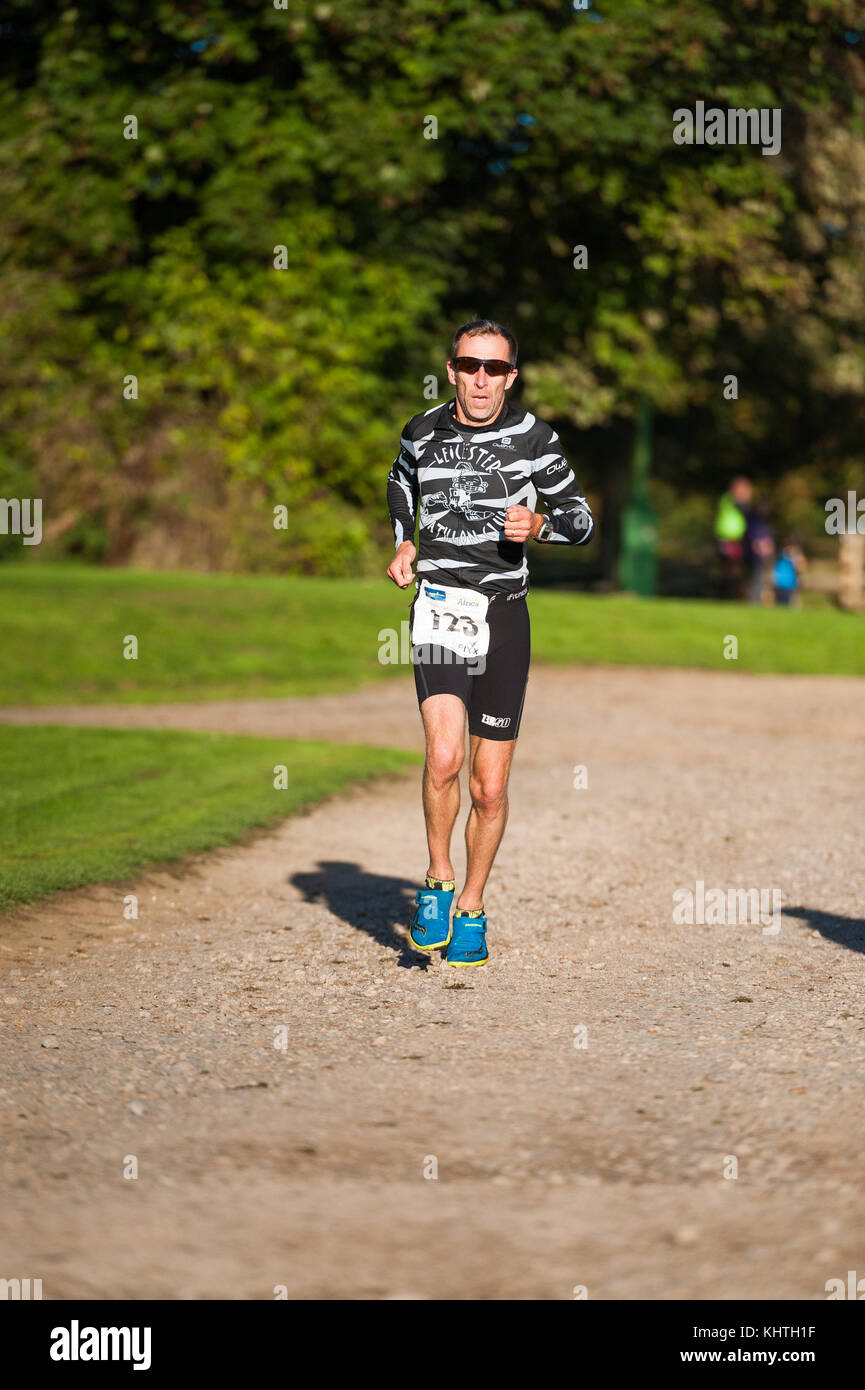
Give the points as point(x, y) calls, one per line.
point(496, 723)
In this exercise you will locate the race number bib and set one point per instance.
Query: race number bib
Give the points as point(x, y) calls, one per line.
point(451, 617)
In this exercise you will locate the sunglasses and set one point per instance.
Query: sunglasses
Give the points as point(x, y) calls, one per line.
point(471, 365)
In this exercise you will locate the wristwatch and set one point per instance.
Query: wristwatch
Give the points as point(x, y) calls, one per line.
point(545, 530)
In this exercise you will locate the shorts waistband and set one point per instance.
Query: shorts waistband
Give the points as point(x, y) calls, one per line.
point(521, 593)
point(493, 598)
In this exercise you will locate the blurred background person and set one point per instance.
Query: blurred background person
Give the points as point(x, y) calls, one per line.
point(788, 567)
point(759, 547)
point(731, 522)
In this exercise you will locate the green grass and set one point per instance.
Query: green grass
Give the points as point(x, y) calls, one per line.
point(210, 636)
point(87, 805)
point(623, 630)
point(62, 629)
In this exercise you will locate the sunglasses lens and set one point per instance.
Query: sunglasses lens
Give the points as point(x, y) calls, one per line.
point(472, 365)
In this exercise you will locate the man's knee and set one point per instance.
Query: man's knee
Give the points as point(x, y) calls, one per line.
point(489, 793)
point(443, 762)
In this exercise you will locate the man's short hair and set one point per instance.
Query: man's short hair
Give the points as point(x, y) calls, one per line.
point(477, 327)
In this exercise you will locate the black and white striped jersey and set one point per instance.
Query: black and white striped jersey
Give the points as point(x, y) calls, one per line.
point(463, 478)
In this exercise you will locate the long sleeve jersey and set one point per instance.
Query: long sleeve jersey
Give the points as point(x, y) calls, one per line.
point(463, 478)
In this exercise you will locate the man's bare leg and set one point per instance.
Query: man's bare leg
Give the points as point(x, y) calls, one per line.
point(489, 769)
point(444, 719)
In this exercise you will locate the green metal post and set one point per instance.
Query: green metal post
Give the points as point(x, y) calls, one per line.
point(638, 557)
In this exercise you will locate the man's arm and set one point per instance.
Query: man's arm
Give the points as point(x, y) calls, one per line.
point(402, 500)
point(569, 512)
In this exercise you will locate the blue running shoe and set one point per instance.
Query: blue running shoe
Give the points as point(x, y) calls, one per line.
point(431, 924)
point(469, 940)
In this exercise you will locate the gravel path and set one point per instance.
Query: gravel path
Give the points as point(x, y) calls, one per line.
point(302, 1165)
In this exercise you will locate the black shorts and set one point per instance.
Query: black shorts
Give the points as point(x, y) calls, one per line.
point(492, 689)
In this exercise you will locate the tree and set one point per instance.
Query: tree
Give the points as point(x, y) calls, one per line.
point(420, 162)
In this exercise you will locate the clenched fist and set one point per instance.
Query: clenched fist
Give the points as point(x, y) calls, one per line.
point(399, 569)
point(520, 523)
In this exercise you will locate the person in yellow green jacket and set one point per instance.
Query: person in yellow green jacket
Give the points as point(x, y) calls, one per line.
point(731, 522)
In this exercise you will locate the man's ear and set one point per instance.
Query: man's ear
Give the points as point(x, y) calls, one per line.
point(452, 378)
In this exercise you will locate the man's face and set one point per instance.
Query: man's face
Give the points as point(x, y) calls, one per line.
point(480, 396)
point(741, 490)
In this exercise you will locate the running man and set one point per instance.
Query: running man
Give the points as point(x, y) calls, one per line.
point(474, 467)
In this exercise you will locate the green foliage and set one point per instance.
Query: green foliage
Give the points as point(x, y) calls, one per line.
point(304, 128)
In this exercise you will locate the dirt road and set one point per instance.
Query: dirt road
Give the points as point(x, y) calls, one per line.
point(618, 1102)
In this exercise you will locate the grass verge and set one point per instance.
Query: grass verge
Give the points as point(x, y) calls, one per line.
point(87, 805)
point(63, 629)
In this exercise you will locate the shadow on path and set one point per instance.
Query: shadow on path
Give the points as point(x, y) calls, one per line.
point(372, 903)
point(846, 931)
